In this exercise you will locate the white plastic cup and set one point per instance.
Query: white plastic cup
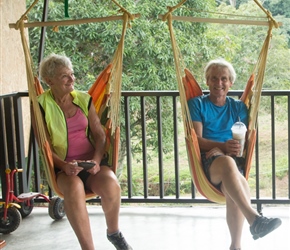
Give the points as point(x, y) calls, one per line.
point(239, 130)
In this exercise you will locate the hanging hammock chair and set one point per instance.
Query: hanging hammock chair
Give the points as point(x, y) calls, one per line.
point(105, 93)
point(189, 88)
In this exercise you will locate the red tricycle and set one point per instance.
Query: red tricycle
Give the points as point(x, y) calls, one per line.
point(14, 208)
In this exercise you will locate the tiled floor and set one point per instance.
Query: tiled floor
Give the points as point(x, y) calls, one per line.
point(149, 228)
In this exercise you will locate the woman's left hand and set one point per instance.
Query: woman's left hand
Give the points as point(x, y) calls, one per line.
point(95, 169)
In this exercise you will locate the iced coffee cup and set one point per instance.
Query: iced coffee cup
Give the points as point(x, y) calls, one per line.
point(239, 130)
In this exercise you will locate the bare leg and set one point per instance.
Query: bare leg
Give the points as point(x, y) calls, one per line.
point(234, 185)
point(106, 185)
point(235, 221)
point(75, 208)
point(237, 193)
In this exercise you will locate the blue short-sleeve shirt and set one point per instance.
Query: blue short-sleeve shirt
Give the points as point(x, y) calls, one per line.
point(217, 120)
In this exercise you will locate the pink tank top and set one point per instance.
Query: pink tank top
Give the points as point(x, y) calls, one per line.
point(79, 146)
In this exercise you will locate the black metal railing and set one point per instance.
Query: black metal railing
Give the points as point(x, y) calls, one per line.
point(273, 134)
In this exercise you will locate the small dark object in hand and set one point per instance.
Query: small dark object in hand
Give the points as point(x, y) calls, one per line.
point(86, 164)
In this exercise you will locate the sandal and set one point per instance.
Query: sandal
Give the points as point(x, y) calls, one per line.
point(263, 225)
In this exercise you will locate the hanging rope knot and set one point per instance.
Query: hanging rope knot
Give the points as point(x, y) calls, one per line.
point(126, 13)
point(130, 16)
point(268, 13)
point(271, 19)
point(127, 17)
point(171, 9)
point(122, 9)
point(18, 23)
point(169, 13)
point(24, 16)
point(21, 21)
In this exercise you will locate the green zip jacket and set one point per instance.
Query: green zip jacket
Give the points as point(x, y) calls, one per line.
point(55, 119)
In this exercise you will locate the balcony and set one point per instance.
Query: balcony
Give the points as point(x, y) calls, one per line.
point(269, 178)
point(161, 220)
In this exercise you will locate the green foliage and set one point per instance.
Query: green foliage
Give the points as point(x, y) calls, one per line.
point(241, 45)
point(148, 59)
point(278, 7)
point(281, 9)
point(234, 3)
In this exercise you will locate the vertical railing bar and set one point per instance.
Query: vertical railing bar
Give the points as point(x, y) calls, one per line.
point(176, 147)
point(257, 159)
point(144, 147)
point(18, 123)
point(4, 158)
point(160, 147)
point(33, 161)
point(43, 31)
point(3, 149)
point(288, 116)
point(192, 190)
point(30, 164)
point(10, 135)
point(128, 146)
point(257, 164)
point(288, 146)
point(11, 139)
point(273, 147)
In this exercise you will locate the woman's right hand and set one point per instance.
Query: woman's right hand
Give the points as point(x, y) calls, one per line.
point(72, 168)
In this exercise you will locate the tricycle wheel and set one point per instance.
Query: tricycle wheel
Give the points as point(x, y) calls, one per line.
point(56, 208)
point(26, 208)
point(12, 221)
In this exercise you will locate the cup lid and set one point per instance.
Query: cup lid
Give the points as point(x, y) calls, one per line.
point(239, 126)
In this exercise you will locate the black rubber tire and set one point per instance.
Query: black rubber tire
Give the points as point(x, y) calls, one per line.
point(56, 208)
point(12, 222)
point(26, 209)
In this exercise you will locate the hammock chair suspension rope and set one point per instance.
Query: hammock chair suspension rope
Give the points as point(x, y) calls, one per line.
point(114, 91)
point(251, 98)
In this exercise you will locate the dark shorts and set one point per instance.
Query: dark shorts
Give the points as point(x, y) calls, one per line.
point(206, 163)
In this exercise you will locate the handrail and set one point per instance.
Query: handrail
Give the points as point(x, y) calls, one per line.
point(9, 104)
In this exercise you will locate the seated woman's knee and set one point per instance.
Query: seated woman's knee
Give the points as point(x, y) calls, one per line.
point(111, 190)
point(104, 182)
point(70, 184)
point(112, 184)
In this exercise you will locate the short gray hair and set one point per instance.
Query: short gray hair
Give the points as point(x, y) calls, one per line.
point(220, 62)
point(49, 64)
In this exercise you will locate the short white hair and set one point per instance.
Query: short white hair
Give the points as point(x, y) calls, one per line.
point(220, 62)
point(49, 64)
